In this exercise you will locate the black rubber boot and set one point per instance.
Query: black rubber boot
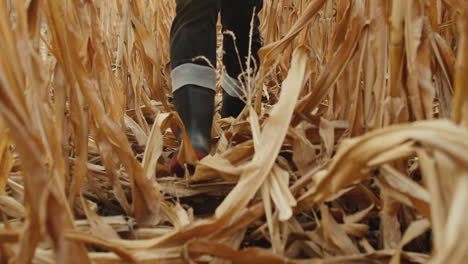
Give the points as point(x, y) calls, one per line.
point(195, 106)
point(232, 106)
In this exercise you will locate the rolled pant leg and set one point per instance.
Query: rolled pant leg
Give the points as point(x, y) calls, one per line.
point(193, 34)
point(236, 16)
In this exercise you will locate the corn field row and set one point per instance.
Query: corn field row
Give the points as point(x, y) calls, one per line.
point(353, 147)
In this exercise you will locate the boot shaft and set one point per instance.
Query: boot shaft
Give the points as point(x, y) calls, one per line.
point(195, 106)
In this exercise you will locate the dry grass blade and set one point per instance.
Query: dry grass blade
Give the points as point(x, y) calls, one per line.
point(461, 95)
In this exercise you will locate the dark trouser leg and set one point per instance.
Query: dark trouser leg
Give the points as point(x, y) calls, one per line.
point(193, 34)
point(236, 17)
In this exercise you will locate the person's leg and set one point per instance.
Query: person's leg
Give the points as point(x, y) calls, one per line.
point(193, 34)
point(236, 16)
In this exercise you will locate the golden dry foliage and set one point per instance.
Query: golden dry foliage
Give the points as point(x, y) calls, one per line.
point(353, 147)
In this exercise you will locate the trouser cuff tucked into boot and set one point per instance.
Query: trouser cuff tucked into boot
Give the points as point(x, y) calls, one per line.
point(232, 86)
point(193, 74)
point(232, 94)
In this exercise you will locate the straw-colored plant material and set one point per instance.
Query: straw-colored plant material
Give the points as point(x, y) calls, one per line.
point(352, 149)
